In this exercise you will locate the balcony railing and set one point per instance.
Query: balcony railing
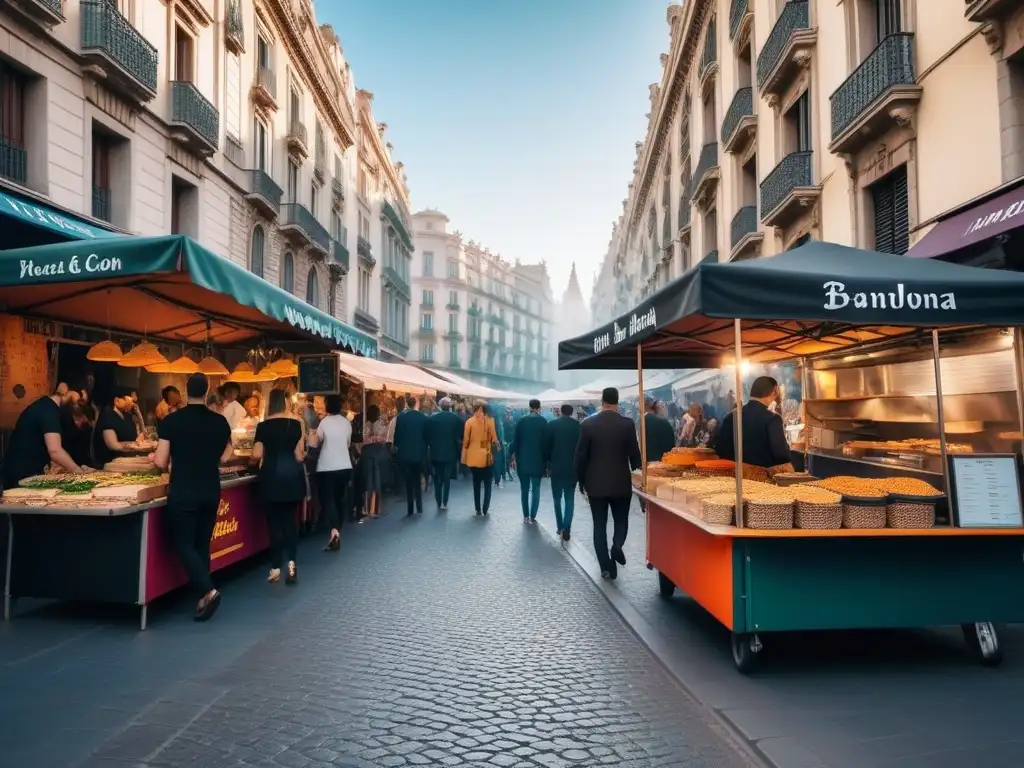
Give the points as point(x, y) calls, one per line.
point(101, 203)
point(793, 172)
point(453, 306)
point(200, 119)
point(794, 16)
point(110, 37)
point(710, 55)
point(397, 222)
point(48, 12)
point(264, 193)
point(13, 162)
point(742, 106)
point(451, 335)
point(234, 29)
point(391, 277)
point(265, 87)
point(737, 11)
point(707, 162)
point(339, 254)
point(365, 250)
point(296, 139)
point(890, 64)
point(743, 223)
point(297, 218)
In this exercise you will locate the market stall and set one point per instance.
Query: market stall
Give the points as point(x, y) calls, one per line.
point(177, 308)
point(924, 528)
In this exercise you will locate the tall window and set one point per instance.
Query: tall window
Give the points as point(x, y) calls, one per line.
point(427, 321)
point(427, 353)
point(293, 182)
point(428, 298)
point(453, 322)
point(337, 228)
point(892, 220)
point(12, 124)
point(262, 146)
point(428, 264)
point(313, 288)
point(314, 199)
point(101, 149)
point(262, 52)
point(453, 298)
point(184, 55)
point(294, 108)
point(288, 273)
point(453, 269)
point(364, 289)
point(256, 252)
point(453, 352)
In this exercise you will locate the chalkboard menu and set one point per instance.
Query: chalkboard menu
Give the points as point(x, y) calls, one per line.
point(986, 490)
point(318, 374)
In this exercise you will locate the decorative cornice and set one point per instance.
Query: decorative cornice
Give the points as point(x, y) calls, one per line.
point(372, 133)
point(195, 8)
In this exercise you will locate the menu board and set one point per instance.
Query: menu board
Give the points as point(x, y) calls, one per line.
point(318, 374)
point(986, 491)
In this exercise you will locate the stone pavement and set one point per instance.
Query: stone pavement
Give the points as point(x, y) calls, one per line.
point(827, 700)
point(444, 640)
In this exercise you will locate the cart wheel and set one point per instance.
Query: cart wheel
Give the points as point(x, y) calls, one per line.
point(665, 585)
point(745, 647)
point(983, 641)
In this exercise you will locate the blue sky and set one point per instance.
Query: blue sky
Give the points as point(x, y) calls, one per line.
point(517, 120)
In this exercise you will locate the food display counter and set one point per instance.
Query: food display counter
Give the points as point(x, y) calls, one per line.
point(107, 549)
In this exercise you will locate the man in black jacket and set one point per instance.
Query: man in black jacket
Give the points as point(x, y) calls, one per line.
point(606, 454)
point(764, 438)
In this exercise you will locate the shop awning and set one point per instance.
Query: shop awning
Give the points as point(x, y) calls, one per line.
point(43, 216)
point(815, 299)
point(167, 288)
point(974, 225)
point(396, 377)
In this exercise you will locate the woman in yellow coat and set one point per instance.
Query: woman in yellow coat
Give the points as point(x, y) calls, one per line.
point(478, 443)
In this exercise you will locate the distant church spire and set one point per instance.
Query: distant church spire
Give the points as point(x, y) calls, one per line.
point(573, 291)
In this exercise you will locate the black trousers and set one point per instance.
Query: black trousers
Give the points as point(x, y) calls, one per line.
point(191, 530)
point(482, 476)
point(413, 475)
point(284, 532)
point(333, 487)
point(442, 481)
point(599, 506)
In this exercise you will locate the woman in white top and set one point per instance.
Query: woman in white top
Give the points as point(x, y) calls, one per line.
point(334, 466)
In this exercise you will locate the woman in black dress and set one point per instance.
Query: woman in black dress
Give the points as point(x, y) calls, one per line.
point(280, 451)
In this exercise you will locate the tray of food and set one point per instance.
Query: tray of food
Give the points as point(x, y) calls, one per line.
point(133, 465)
point(859, 491)
point(911, 489)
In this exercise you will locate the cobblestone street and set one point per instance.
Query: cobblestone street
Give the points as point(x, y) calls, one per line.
point(440, 640)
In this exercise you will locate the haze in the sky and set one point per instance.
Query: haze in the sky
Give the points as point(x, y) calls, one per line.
point(518, 120)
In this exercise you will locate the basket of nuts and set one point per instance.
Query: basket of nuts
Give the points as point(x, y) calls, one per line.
point(905, 514)
point(911, 489)
point(766, 507)
point(719, 509)
point(859, 491)
point(817, 508)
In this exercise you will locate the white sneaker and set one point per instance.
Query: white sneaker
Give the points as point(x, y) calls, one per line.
point(275, 575)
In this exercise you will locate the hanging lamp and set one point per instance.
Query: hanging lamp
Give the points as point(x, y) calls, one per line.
point(211, 366)
point(105, 351)
point(141, 355)
point(243, 373)
point(284, 368)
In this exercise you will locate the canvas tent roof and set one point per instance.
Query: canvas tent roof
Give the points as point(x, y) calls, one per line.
point(397, 377)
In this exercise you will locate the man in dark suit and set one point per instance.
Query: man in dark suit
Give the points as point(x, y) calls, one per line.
point(606, 454)
point(411, 452)
point(527, 458)
point(444, 438)
point(764, 437)
point(660, 437)
point(563, 434)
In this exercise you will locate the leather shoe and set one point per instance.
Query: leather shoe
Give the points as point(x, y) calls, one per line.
point(618, 555)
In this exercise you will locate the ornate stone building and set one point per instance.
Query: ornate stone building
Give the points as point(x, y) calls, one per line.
point(860, 122)
point(572, 318)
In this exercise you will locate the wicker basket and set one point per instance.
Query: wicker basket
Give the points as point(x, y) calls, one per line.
point(714, 513)
point(767, 516)
point(904, 514)
point(863, 516)
point(818, 516)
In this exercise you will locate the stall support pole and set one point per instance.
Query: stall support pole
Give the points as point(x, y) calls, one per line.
point(1018, 372)
point(940, 414)
point(804, 379)
point(738, 419)
point(643, 416)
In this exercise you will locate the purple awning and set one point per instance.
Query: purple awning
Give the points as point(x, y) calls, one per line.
point(974, 225)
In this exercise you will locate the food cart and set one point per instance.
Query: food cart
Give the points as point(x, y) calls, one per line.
point(950, 557)
point(106, 542)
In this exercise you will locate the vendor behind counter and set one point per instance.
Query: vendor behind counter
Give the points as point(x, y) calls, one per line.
point(115, 428)
point(764, 437)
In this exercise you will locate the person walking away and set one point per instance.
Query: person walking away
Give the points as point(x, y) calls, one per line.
point(395, 476)
point(661, 438)
point(193, 443)
point(479, 441)
point(527, 458)
point(606, 455)
point(411, 453)
point(375, 459)
point(333, 437)
point(279, 451)
point(764, 436)
point(562, 436)
point(444, 438)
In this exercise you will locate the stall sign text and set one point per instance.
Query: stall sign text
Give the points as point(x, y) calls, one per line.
point(227, 523)
point(76, 265)
point(836, 297)
point(618, 334)
point(326, 330)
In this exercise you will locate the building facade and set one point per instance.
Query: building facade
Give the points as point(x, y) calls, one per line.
point(859, 122)
point(480, 316)
point(572, 319)
point(236, 122)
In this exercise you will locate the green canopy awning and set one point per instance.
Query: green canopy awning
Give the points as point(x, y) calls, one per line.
point(169, 287)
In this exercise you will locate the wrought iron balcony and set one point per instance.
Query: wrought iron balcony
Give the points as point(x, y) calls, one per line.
point(264, 89)
point(339, 255)
point(48, 13)
point(13, 162)
point(234, 29)
point(263, 193)
point(101, 203)
point(451, 335)
point(452, 306)
point(302, 227)
point(880, 93)
point(989, 10)
point(297, 140)
point(745, 237)
point(365, 321)
point(709, 58)
point(788, 44)
point(738, 13)
point(196, 122)
point(426, 333)
point(739, 127)
point(392, 215)
point(365, 251)
point(707, 174)
point(391, 278)
point(683, 214)
point(125, 57)
point(788, 189)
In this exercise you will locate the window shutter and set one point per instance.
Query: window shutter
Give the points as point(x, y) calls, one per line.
point(901, 211)
point(892, 213)
point(882, 196)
